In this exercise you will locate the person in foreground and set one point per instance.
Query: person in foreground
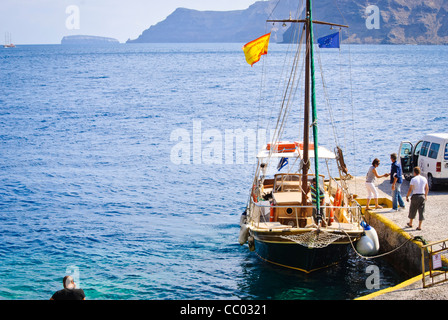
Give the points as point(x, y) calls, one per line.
point(419, 189)
point(69, 292)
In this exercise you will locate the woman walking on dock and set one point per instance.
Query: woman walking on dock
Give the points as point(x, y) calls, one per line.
point(371, 177)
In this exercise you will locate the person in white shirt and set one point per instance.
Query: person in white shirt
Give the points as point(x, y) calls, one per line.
point(419, 189)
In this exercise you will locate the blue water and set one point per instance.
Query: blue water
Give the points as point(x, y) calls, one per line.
point(88, 185)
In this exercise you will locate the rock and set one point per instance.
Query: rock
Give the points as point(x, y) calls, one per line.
point(82, 39)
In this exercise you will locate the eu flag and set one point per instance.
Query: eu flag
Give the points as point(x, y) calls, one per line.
point(330, 41)
point(282, 163)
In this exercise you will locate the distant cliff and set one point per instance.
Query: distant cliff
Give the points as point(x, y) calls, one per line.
point(373, 22)
point(80, 39)
point(186, 25)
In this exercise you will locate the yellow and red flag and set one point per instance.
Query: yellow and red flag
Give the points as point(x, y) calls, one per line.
point(256, 48)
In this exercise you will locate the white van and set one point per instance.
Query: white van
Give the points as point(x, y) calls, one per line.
point(430, 154)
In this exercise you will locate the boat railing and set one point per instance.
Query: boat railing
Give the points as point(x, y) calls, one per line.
point(264, 209)
point(258, 204)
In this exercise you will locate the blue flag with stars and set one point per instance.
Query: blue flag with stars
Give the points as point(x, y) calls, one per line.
point(282, 163)
point(330, 41)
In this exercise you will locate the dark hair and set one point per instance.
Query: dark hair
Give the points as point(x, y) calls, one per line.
point(375, 161)
point(393, 156)
point(67, 280)
point(417, 170)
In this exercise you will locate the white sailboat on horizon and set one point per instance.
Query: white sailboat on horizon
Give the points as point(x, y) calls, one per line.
point(8, 41)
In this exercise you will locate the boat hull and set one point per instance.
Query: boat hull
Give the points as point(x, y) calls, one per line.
point(296, 256)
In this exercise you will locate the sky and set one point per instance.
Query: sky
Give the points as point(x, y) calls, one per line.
point(47, 21)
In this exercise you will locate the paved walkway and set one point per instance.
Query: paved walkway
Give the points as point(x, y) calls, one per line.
point(435, 225)
point(434, 228)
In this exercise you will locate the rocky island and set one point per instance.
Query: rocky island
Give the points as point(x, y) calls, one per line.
point(82, 39)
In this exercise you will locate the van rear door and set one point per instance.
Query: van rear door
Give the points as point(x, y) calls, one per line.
point(445, 162)
point(416, 153)
point(434, 163)
point(423, 161)
point(405, 157)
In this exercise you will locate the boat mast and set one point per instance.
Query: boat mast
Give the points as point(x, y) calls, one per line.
point(306, 116)
point(314, 115)
point(309, 84)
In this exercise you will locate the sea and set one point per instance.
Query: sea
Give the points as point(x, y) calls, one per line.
point(120, 164)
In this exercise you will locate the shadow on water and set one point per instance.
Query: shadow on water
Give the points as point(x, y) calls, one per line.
point(345, 281)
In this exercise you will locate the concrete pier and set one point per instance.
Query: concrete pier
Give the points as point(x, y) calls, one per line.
point(393, 233)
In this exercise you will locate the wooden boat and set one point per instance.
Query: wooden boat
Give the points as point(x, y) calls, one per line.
point(282, 224)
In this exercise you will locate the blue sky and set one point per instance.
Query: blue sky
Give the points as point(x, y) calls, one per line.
point(47, 21)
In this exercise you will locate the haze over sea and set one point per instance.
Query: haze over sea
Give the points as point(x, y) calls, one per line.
point(88, 185)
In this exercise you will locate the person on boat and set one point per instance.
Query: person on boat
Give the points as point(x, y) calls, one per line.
point(69, 292)
point(371, 177)
point(314, 200)
point(396, 179)
point(419, 189)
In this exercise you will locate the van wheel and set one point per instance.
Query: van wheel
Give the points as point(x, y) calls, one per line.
point(431, 184)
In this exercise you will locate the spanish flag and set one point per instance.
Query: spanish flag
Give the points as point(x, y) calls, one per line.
point(256, 48)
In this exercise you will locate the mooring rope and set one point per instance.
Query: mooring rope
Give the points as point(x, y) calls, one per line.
point(417, 238)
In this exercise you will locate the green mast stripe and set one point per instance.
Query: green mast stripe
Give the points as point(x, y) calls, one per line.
point(314, 111)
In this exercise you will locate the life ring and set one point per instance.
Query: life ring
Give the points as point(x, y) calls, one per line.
point(272, 214)
point(282, 146)
point(336, 203)
point(331, 220)
point(338, 198)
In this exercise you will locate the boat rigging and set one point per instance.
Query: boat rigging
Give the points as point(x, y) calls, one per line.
point(298, 219)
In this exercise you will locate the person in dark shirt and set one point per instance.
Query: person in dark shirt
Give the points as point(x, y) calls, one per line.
point(396, 180)
point(69, 292)
point(313, 189)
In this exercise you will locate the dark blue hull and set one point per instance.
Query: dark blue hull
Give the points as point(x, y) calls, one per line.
point(296, 256)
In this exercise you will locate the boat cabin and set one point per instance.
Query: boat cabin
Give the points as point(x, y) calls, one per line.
point(281, 193)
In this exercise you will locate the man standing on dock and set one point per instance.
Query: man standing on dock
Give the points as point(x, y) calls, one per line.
point(396, 179)
point(419, 189)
